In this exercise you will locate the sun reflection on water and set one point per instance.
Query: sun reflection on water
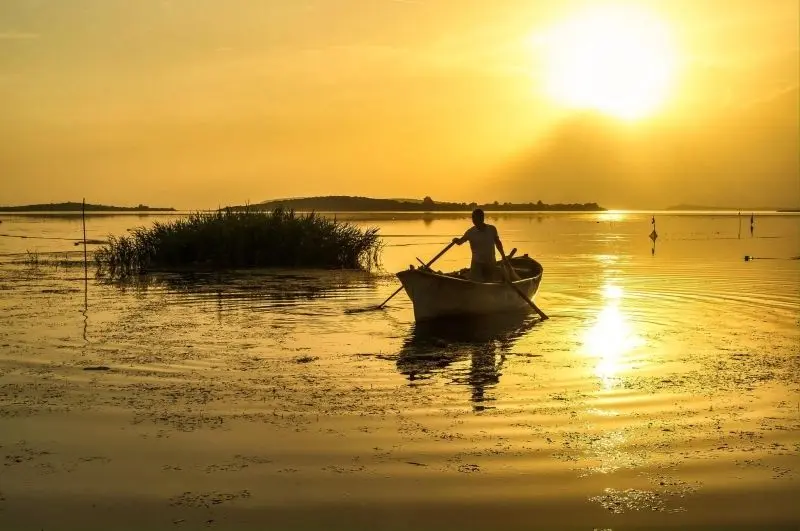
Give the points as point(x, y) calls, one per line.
point(612, 215)
point(611, 338)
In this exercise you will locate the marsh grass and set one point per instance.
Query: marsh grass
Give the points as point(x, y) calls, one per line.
point(34, 260)
point(228, 239)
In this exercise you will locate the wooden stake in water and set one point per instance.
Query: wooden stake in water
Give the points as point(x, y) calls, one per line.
point(85, 262)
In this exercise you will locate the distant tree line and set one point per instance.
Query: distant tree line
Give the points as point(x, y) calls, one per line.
point(368, 204)
point(76, 207)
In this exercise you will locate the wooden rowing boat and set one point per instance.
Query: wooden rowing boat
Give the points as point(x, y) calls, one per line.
point(436, 294)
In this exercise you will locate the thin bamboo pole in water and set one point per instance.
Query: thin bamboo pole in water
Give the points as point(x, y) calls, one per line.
point(85, 260)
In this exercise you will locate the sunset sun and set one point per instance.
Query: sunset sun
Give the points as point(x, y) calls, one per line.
point(620, 62)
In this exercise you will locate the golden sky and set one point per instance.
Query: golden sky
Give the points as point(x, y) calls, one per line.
point(199, 103)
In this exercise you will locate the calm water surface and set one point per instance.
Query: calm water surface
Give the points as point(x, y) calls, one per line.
point(666, 383)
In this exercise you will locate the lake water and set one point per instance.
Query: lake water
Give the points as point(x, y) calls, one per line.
point(664, 391)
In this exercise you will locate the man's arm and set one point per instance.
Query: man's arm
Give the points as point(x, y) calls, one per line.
point(462, 240)
point(499, 245)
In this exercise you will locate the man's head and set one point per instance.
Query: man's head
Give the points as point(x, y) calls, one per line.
point(477, 217)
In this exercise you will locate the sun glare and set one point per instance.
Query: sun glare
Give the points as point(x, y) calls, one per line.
point(619, 61)
point(611, 339)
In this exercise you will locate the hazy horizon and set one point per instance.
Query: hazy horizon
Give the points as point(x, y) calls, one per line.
point(204, 103)
point(642, 208)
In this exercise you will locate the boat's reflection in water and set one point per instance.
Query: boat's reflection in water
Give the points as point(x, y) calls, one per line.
point(466, 350)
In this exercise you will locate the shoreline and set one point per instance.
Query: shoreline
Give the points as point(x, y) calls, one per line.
point(418, 213)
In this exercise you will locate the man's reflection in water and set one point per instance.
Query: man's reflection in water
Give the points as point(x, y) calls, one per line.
point(484, 372)
point(432, 347)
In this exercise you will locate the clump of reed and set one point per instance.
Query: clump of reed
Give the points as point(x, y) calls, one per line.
point(230, 238)
point(34, 259)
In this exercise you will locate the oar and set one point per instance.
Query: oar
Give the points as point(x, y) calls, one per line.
point(508, 267)
point(525, 297)
point(428, 265)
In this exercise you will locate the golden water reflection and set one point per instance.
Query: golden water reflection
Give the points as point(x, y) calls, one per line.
point(613, 215)
point(611, 338)
point(610, 343)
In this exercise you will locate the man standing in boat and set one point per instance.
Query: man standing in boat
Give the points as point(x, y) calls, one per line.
point(483, 239)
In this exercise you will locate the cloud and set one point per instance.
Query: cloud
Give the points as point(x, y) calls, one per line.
point(18, 36)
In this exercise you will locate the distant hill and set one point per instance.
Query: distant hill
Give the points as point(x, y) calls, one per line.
point(731, 209)
point(407, 199)
point(368, 204)
point(76, 207)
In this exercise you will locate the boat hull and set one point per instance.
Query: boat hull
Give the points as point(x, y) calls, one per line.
point(435, 295)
